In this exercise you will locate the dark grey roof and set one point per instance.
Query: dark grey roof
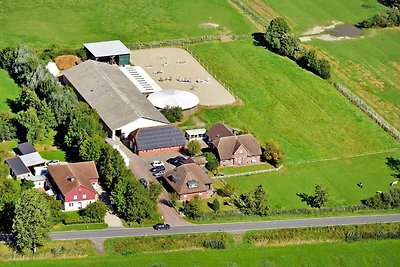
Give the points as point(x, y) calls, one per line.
point(17, 166)
point(106, 89)
point(26, 148)
point(158, 137)
point(107, 48)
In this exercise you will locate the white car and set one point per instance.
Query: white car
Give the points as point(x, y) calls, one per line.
point(157, 163)
point(53, 162)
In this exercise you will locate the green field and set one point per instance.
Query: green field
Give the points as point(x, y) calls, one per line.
point(8, 90)
point(339, 176)
point(305, 14)
point(370, 67)
point(366, 253)
point(305, 114)
point(71, 23)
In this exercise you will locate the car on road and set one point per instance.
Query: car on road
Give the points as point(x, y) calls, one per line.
point(161, 226)
point(144, 182)
point(157, 163)
point(157, 169)
point(158, 173)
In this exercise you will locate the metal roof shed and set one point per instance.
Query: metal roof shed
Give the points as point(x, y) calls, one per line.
point(109, 51)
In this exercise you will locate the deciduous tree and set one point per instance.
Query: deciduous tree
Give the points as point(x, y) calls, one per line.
point(194, 147)
point(212, 162)
point(31, 222)
point(273, 153)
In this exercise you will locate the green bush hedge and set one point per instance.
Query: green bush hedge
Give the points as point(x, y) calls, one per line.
point(328, 233)
point(133, 245)
point(73, 217)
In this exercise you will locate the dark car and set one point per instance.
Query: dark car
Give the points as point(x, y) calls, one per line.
point(161, 226)
point(177, 161)
point(157, 169)
point(144, 182)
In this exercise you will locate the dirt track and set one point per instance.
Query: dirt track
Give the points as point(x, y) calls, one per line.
point(171, 64)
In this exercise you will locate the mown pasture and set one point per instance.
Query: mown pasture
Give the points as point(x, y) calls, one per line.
point(306, 14)
point(370, 67)
point(71, 23)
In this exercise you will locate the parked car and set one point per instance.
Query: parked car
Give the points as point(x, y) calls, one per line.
point(157, 163)
point(177, 161)
point(144, 182)
point(53, 162)
point(158, 173)
point(161, 226)
point(157, 169)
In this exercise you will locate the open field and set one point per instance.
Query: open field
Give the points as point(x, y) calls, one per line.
point(305, 114)
point(8, 90)
point(339, 176)
point(71, 23)
point(305, 14)
point(366, 253)
point(370, 67)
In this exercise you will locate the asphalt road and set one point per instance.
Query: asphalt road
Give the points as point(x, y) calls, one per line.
point(225, 227)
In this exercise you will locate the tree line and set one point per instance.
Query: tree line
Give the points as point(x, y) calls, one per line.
point(387, 18)
point(279, 39)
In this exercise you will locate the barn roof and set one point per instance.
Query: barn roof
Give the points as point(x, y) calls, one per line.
point(26, 148)
point(158, 137)
point(107, 48)
point(17, 166)
point(106, 89)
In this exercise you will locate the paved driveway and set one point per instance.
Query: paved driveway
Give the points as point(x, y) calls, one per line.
point(140, 167)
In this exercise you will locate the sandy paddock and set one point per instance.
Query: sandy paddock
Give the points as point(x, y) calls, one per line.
point(175, 68)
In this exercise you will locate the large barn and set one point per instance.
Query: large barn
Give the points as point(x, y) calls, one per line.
point(120, 105)
point(114, 52)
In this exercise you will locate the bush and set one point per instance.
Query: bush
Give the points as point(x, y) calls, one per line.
point(95, 211)
point(388, 18)
point(384, 200)
point(172, 114)
point(216, 205)
point(214, 244)
point(192, 208)
point(194, 147)
point(73, 217)
point(273, 154)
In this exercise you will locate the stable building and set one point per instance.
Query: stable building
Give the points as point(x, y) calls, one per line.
point(120, 104)
point(113, 52)
point(156, 140)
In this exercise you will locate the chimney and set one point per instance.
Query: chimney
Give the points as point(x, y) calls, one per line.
point(71, 178)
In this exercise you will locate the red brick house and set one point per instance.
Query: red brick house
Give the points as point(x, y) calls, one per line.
point(75, 183)
point(189, 180)
point(156, 140)
point(232, 149)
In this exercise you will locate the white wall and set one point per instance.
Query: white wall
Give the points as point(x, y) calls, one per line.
point(139, 123)
point(76, 204)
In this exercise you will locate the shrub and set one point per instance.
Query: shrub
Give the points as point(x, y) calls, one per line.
point(194, 147)
point(95, 211)
point(172, 114)
point(388, 18)
point(273, 153)
point(384, 200)
point(192, 208)
point(214, 244)
point(216, 205)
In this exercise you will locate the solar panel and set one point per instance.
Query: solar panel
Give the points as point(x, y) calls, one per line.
point(159, 137)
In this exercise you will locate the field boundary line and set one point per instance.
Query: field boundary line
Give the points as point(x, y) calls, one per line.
point(248, 173)
point(368, 110)
point(345, 157)
point(251, 14)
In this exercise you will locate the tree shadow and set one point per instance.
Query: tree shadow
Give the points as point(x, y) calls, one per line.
point(394, 164)
point(259, 40)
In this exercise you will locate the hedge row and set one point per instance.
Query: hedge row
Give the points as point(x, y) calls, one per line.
point(133, 245)
point(74, 217)
point(332, 233)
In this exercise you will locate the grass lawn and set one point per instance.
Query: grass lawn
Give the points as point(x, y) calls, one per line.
point(340, 176)
point(306, 115)
point(71, 23)
point(88, 226)
point(8, 90)
point(365, 253)
point(305, 14)
point(370, 67)
point(53, 154)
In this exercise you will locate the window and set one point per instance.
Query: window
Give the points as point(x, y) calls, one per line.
point(75, 197)
point(84, 196)
point(71, 205)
